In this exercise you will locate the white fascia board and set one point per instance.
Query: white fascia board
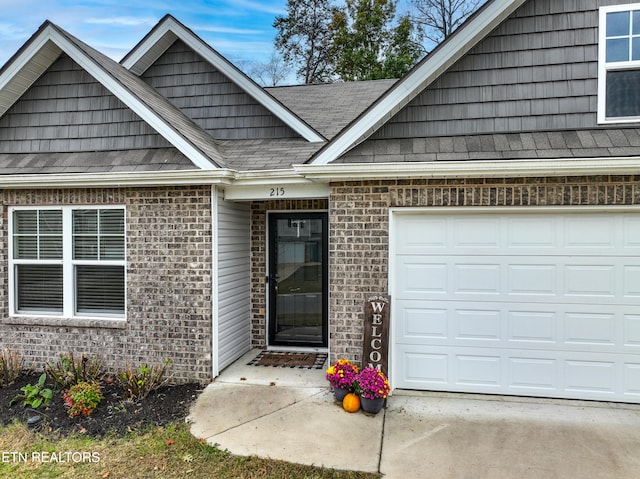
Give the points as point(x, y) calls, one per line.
point(117, 180)
point(11, 88)
point(471, 169)
point(223, 65)
point(160, 125)
point(435, 64)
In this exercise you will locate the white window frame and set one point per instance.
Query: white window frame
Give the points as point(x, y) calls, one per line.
point(604, 67)
point(67, 262)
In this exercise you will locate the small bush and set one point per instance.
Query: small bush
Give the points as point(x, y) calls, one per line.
point(69, 371)
point(82, 398)
point(138, 383)
point(34, 396)
point(11, 366)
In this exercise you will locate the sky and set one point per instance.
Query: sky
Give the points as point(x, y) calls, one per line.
point(241, 30)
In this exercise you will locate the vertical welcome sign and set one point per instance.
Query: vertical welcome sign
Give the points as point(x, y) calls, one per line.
point(375, 351)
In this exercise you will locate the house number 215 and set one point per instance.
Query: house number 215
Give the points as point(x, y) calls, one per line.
point(278, 191)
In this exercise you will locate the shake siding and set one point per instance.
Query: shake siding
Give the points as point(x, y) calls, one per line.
point(537, 71)
point(214, 103)
point(67, 110)
point(234, 286)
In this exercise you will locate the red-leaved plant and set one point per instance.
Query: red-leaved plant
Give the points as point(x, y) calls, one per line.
point(81, 399)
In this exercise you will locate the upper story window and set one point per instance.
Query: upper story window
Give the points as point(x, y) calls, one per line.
point(67, 261)
point(619, 64)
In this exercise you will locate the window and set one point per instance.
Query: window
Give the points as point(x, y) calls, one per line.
point(619, 64)
point(68, 261)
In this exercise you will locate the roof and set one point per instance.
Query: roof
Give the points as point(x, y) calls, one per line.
point(330, 107)
point(50, 41)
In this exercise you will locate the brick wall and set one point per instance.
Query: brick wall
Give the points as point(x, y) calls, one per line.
point(259, 225)
point(359, 239)
point(168, 284)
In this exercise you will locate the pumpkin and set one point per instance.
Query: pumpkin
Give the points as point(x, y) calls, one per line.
point(351, 403)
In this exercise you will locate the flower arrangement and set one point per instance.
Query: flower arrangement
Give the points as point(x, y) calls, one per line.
point(372, 383)
point(342, 374)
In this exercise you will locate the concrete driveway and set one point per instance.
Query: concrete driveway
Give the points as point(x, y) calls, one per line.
point(290, 415)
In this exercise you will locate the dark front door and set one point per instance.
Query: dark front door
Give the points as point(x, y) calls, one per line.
point(297, 279)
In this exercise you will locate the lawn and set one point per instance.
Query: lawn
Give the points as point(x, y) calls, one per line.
point(164, 452)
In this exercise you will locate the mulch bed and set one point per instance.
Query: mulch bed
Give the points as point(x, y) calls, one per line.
point(287, 359)
point(114, 415)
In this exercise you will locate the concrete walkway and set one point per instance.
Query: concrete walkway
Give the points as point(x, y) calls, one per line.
point(291, 415)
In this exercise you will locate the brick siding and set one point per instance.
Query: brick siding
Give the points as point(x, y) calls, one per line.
point(359, 229)
point(168, 242)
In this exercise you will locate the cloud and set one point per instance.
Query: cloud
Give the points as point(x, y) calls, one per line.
point(230, 30)
point(10, 30)
point(266, 7)
point(122, 21)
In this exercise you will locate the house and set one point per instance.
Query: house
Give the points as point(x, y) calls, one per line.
point(167, 206)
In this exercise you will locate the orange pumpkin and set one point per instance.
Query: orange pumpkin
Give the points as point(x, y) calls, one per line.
point(351, 403)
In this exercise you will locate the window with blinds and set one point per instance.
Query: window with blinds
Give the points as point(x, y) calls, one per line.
point(68, 261)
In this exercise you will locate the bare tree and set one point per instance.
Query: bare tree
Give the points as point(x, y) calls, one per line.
point(439, 18)
point(272, 73)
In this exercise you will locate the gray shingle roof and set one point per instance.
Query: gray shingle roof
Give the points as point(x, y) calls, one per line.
point(591, 143)
point(267, 154)
point(94, 162)
point(330, 107)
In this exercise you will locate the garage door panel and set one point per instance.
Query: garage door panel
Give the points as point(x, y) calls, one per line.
point(533, 304)
point(521, 372)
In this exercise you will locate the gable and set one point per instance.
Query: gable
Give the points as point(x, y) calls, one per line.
point(67, 110)
point(536, 71)
point(214, 102)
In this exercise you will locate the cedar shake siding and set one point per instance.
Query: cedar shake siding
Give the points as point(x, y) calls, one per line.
point(209, 98)
point(67, 110)
point(168, 280)
point(528, 90)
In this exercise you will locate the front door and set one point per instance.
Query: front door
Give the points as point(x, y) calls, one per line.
point(297, 279)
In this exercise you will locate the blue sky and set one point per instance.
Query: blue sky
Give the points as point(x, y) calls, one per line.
point(238, 29)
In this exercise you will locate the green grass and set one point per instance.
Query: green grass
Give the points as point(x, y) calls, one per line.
point(170, 452)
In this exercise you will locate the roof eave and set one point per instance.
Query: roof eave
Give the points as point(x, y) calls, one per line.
point(471, 169)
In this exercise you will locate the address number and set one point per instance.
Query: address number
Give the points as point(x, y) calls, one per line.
point(279, 191)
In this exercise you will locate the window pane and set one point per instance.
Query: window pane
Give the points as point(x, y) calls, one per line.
point(50, 222)
point(635, 48)
point(39, 288)
point(112, 222)
point(25, 222)
point(112, 247)
point(618, 50)
point(25, 247)
point(635, 30)
point(51, 247)
point(100, 289)
point(85, 222)
point(623, 93)
point(617, 24)
point(85, 247)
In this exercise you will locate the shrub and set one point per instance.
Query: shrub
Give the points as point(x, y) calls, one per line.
point(11, 366)
point(138, 383)
point(68, 370)
point(82, 398)
point(34, 396)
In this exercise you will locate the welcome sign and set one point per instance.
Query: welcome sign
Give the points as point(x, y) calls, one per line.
point(376, 332)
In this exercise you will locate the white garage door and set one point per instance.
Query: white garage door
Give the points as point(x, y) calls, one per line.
point(536, 304)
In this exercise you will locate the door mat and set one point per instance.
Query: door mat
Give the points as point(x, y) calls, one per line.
point(286, 359)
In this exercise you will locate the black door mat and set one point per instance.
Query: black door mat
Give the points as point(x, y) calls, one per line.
point(287, 359)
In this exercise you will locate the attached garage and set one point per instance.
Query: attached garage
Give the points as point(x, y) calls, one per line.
point(532, 302)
